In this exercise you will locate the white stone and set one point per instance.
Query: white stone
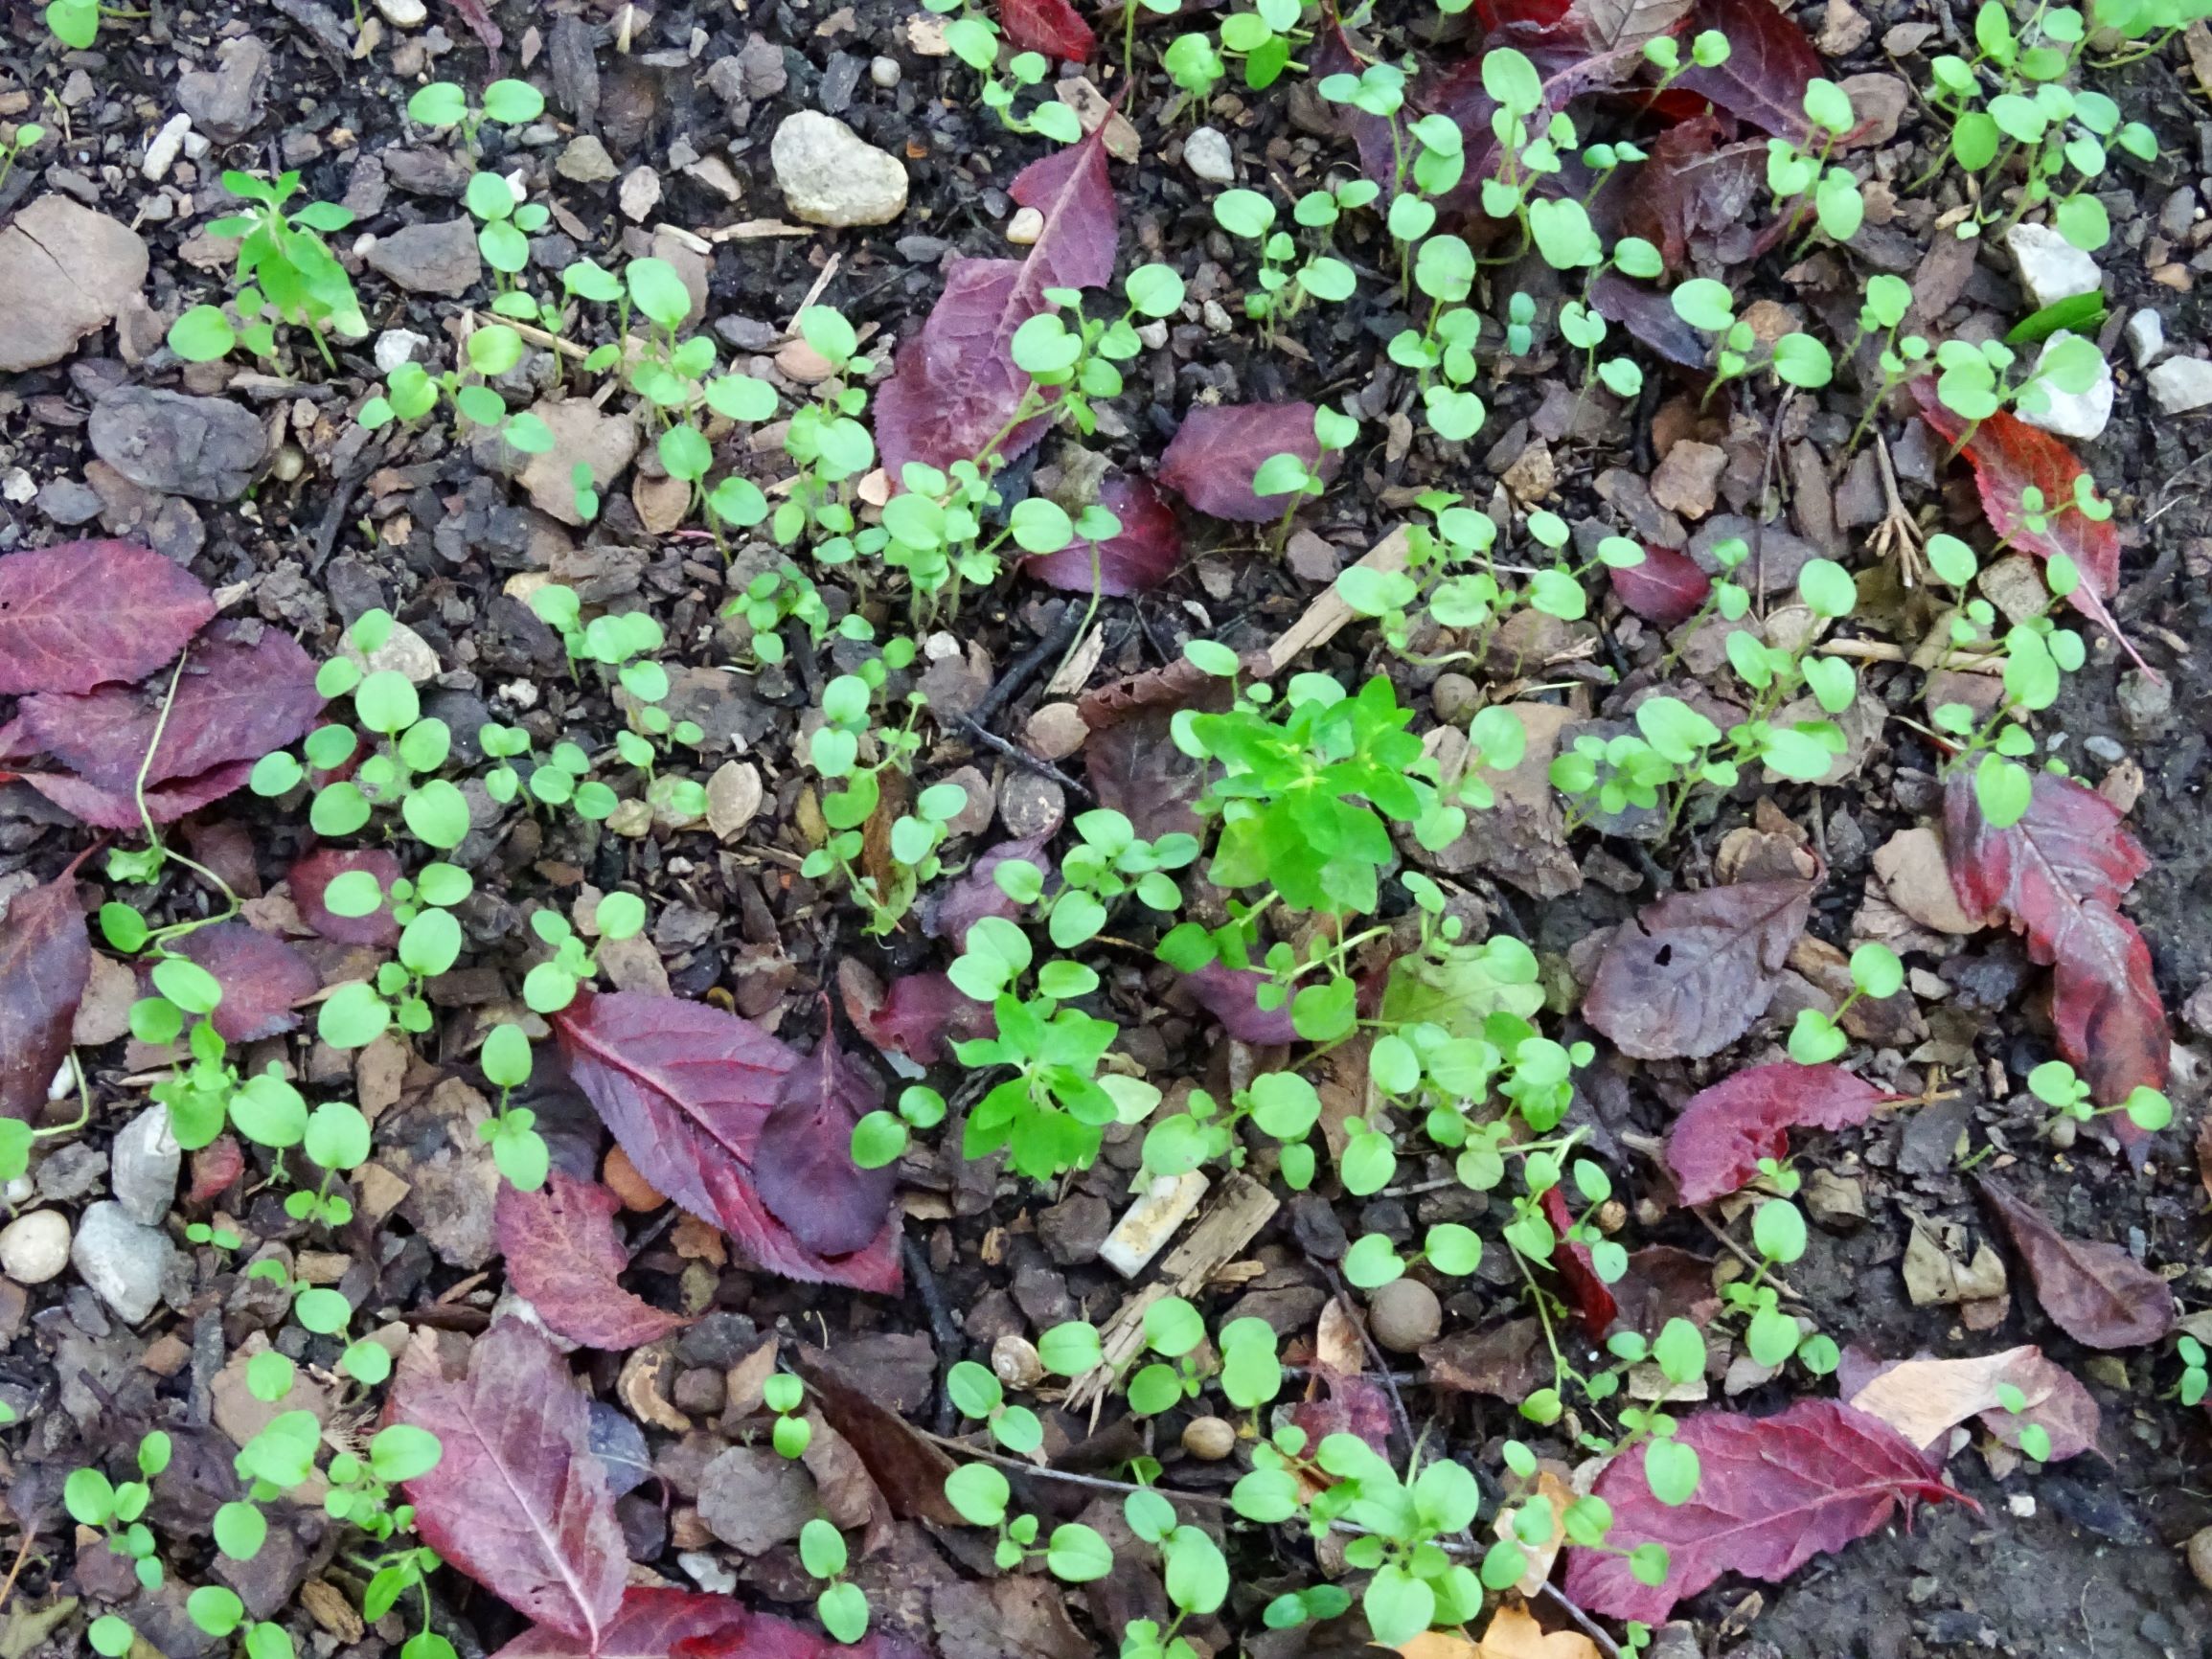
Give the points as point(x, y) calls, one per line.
point(1025, 227)
point(163, 147)
point(884, 72)
point(2181, 384)
point(831, 176)
point(396, 345)
point(640, 194)
point(1206, 154)
point(36, 1248)
point(405, 653)
point(2051, 267)
point(2147, 337)
point(403, 13)
point(1151, 1221)
point(2082, 414)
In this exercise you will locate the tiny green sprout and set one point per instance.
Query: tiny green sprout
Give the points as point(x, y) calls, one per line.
point(786, 1396)
point(978, 1393)
point(1817, 1038)
point(2035, 1439)
point(2195, 1379)
point(2057, 1086)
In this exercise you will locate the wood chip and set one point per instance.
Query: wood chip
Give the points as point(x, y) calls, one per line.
point(1328, 614)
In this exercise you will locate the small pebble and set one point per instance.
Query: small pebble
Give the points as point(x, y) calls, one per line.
point(1209, 1439)
point(1403, 1314)
point(2201, 1557)
point(36, 1248)
point(883, 71)
point(1207, 154)
point(1025, 227)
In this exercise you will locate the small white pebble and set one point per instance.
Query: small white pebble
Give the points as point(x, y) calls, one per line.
point(2022, 1505)
point(1025, 227)
point(884, 72)
point(65, 1083)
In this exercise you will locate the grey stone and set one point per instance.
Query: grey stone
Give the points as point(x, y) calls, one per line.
point(68, 500)
point(430, 259)
point(122, 1261)
point(65, 271)
point(2181, 384)
point(2081, 414)
point(2051, 268)
point(225, 102)
point(1206, 154)
point(585, 161)
point(754, 1499)
point(884, 72)
point(762, 63)
point(831, 176)
point(146, 1162)
point(2146, 337)
point(580, 433)
point(207, 449)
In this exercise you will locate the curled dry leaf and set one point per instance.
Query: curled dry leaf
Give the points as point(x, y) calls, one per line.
point(1506, 1361)
point(563, 1257)
point(2097, 1294)
point(1592, 1299)
point(45, 963)
point(1143, 554)
point(1923, 1400)
point(1212, 458)
point(1723, 1132)
point(86, 612)
point(165, 803)
point(687, 1090)
point(1689, 974)
point(2059, 874)
point(263, 979)
point(1773, 1492)
point(907, 1469)
point(518, 1501)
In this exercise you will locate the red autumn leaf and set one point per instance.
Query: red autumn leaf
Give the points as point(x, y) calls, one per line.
point(648, 1626)
point(263, 979)
point(245, 689)
point(1352, 1405)
point(2059, 874)
point(1052, 27)
point(1573, 1262)
point(2008, 456)
point(75, 615)
point(518, 1502)
point(1666, 589)
point(955, 385)
point(2097, 1294)
point(1923, 1400)
point(45, 961)
point(1696, 193)
point(802, 1169)
point(311, 877)
point(975, 893)
point(1650, 316)
point(165, 802)
point(1689, 974)
point(214, 1168)
point(1773, 1492)
point(667, 1623)
point(920, 1016)
point(1231, 995)
point(480, 24)
point(1213, 455)
point(1717, 1142)
point(687, 1088)
point(1143, 554)
point(1769, 65)
point(563, 1257)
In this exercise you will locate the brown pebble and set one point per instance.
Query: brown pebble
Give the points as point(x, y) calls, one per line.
point(634, 1190)
point(2201, 1557)
point(1209, 1437)
point(1403, 1314)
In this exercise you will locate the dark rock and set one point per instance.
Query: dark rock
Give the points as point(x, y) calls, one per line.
point(430, 259)
point(208, 449)
point(225, 102)
point(1072, 1230)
